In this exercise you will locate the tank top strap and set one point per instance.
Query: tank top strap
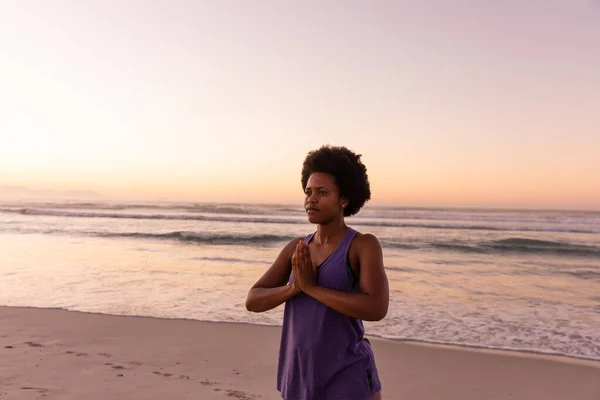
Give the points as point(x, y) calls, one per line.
point(347, 241)
point(309, 237)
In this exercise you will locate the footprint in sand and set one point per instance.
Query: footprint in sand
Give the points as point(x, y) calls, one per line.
point(33, 344)
point(238, 394)
point(135, 363)
point(168, 375)
point(107, 355)
point(118, 367)
point(77, 353)
point(37, 389)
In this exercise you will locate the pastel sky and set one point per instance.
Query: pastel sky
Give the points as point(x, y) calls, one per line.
point(452, 103)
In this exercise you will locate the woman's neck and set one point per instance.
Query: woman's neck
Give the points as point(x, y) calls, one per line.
point(331, 232)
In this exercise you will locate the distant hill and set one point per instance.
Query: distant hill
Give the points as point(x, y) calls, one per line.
point(21, 192)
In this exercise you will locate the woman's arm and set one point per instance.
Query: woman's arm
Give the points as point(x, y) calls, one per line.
point(371, 304)
point(272, 289)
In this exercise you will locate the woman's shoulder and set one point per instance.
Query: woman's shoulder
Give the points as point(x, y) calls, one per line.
point(365, 239)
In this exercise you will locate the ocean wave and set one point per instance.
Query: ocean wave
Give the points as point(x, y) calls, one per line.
point(236, 209)
point(230, 260)
point(525, 245)
point(403, 269)
point(199, 237)
point(506, 245)
point(273, 219)
point(399, 245)
point(172, 217)
point(522, 245)
point(585, 274)
point(446, 213)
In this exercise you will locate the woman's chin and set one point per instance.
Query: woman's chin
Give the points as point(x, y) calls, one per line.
point(314, 219)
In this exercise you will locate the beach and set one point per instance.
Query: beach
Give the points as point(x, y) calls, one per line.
point(508, 280)
point(58, 354)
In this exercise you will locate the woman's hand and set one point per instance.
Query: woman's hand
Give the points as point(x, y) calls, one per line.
point(304, 268)
point(295, 285)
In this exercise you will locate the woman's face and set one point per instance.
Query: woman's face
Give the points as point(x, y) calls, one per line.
point(322, 200)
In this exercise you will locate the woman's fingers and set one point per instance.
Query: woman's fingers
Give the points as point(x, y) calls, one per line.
point(307, 260)
point(295, 268)
point(296, 261)
point(301, 255)
point(297, 254)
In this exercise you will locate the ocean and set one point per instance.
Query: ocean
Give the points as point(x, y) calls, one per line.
point(504, 279)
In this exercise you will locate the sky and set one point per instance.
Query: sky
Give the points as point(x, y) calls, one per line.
point(450, 103)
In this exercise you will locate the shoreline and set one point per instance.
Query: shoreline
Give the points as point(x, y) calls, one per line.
point(372, 337)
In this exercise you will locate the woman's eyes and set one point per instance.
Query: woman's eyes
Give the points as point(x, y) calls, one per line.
point(321, 193)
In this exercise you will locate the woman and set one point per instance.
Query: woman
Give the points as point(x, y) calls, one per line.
point(331, 281)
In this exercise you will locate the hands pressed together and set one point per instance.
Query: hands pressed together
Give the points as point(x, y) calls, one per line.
point(303, 268)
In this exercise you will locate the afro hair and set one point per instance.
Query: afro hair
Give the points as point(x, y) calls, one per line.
point(349, 173)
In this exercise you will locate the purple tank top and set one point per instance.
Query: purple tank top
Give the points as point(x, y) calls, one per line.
point(324, 354)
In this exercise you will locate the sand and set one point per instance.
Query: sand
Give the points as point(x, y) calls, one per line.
point(56, 354)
